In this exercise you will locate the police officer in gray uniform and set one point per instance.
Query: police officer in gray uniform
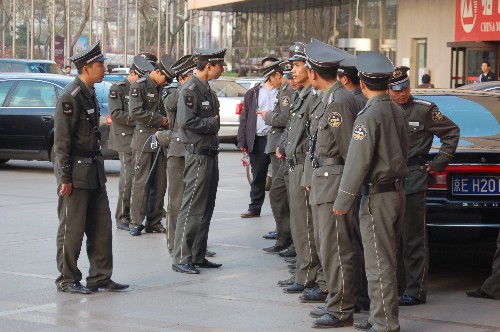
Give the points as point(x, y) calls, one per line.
point(348, 75)
point(376, 167)
point(425, 120)
point(146, 108)
point(334, 120)
point(183, 69)
point(120, 138)
point(278, 197)
point(199, 123)
point(83, 206)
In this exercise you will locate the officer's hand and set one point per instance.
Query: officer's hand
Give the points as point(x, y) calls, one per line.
point(243, 149)
point(164, 122)
point(338, 212)
point(66, 189)
point(429, 170)
point(156, 134)
point(262, 114)
point(307, 188)
point(279, 155)
point(216, 117)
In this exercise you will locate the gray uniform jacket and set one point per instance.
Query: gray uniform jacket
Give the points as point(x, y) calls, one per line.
point(76, 138)
point(278, 117)
point(425, 121)
point(378, 150)
point(122, 125)
point(360, 98)
point(196, 110)
point(334, 131)
point(170, 99)
point(146, 109)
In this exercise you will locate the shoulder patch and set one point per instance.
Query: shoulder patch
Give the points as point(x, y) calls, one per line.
point(134, 92)
point(192, 86)
point(436, 115)
point(359, 132)
point(67, 108)
point(335, 119)
point(189, 100)
point(140, 80)
point(75, 91)
point(113, 94)
point(285, 101)
point(422, 102)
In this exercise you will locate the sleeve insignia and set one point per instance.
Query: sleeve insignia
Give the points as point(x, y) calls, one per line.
point(437, 116)
point(134, 92)
point(335, 119)
point(67, 108)
point(359, 132)
point(285, 101)
point(113, 94)
point(189, 100)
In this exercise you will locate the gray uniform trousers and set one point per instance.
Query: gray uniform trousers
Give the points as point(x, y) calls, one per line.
point(85, 211)
point(360, 283)
point(201, 178)
point(175, 175)
point(491, 286)
point(301, 224)
point(151, 193)
point(278, 196)
point(381, 218)
point(336, 233)
point(413, 265)
point(122, 214)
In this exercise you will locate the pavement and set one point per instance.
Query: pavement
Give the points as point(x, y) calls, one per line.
point(240, 296)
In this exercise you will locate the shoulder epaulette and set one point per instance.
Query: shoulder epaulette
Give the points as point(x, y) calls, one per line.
point(192, 86)
point(330, 99)
point(75, 91)
point(422, 102)
point(140, 80)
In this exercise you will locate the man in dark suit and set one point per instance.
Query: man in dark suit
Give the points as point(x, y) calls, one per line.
point(252, 137)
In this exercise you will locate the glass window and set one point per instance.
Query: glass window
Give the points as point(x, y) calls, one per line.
point(4, 90)
point(34, 94)
point(224, 88)
point(4, 67)
point(475, 59)
point(19, 68)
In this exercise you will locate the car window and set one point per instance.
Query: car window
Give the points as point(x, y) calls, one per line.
point(4, 67)
point(19, 68)
point(34, 94)
point(4, 90)
point(224, 88)
point(246, 85)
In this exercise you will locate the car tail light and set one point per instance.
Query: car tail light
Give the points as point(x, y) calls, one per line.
point(239, 108)
point(108, 120)
point(441, 178)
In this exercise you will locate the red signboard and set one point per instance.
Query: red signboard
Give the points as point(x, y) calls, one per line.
point(477, 20)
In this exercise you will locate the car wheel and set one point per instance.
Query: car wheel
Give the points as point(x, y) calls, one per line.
point(269, 179)
point(3, 161)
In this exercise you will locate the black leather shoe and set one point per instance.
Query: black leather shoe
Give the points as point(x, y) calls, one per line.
point(135, 230)
point(207, 264)
point(209, 253)
point(124, 226)
point(318, 312)
point(294, 288)
point(287, 282)
point(274, 249)
point(287, 253)
point(110, 286)
point(171, 252)
point(329, 320)
point(185, 268)
point(365, 326)
point(75, 288)
point(270, 236)
point(408, 300)
point(155, 229)
point(313, 297)
point(291, 260)
point(249, 214)
point(479, 294)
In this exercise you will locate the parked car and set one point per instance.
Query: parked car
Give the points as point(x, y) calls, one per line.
point(493, 86)
point(29, 66)
point(27, 106)
point(121, 71)
point(467, 193)
point(113, 78)
point(249, 82)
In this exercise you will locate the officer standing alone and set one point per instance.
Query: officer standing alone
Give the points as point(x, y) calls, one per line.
point(83, 206)
point(376, 167)
point(199, 123)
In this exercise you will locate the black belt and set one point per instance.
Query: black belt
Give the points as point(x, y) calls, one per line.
point(85, 153)
point(377, 188)
point(206, 151)
point(416, 161)
point(328, 161)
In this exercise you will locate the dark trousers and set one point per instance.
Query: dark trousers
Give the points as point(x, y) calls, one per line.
point(84, 212)
point(278, 196)
point(122, 214)
point(260, 163)
point(175, 176)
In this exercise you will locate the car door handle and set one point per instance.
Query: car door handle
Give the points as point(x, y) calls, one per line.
point(46, 118)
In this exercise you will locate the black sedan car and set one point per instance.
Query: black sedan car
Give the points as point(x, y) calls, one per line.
point(27, 106)
point(467, 193)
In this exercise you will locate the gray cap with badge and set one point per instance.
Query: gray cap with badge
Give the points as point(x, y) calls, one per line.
point(165, 66)
point(287, 69)
point(211, 54)
point(322, 57)
point(399, 79)
point(374, 69)
point(273, 67)
point(142, 66)
point(91, 54)
point(184, 65)
point(299, 53)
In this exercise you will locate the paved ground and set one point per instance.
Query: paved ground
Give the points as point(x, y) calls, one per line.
point(241, 296)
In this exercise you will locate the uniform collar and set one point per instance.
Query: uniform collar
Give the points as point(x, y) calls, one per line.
point(331, 89)
point(305, 91)
point(199, 83)
point(87, 90)
point(377, 98)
